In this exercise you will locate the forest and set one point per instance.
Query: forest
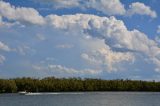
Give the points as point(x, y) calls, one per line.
point(52, 84)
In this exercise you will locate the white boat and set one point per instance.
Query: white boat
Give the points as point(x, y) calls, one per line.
point(22, 92)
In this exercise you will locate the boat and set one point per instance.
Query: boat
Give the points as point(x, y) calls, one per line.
point(22, 92)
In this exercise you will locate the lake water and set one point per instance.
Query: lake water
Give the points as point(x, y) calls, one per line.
point(82, 99)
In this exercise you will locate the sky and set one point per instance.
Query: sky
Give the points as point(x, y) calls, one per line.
point(108, 39)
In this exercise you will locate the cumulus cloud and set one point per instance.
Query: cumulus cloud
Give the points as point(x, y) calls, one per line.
point(21, 14)
point(113, 31)
point(121, 46)
point(108, 59)
point(122, 43)
point(92, 58)
point(117, 37)
point(109, 7)
point(4, 47)
point(141, 9)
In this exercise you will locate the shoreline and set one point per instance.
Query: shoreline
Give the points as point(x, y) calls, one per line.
point(52, 84)
point(81, 92)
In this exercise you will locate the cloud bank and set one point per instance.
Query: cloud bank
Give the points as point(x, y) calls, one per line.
point(108, 7)
point(101, 44)
point(116, 36)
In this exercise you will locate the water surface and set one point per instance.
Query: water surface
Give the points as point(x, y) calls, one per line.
point(82, 99)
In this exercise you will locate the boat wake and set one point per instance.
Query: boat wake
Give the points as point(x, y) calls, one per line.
point(54, 93)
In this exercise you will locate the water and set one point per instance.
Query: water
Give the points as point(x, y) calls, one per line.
point(82, 99)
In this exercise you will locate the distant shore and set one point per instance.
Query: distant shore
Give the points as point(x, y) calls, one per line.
point(52, 84)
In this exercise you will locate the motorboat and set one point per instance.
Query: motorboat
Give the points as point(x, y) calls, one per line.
point(22, 92)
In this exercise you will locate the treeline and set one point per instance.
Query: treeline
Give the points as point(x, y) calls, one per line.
point(52, 84)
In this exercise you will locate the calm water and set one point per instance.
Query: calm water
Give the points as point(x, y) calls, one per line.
point(82, 99)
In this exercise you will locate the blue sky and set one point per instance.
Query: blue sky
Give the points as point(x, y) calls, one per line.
point(106, 39)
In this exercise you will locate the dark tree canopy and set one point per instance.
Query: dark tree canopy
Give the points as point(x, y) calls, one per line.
point(52, 84)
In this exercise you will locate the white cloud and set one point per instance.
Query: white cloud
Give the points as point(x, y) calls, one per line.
point(109, 7)
point(2, 59)
point(116, 45)
point(92, 58)
point(121, 44)
point(141, 9)
point(62, 70)
point(67, 46)
point(113, 31)
point(21, 14)
point(108, 59)
point(4, 47)
point(117, 37)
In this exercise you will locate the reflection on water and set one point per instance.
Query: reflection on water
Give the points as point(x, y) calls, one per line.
point(82, 99)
